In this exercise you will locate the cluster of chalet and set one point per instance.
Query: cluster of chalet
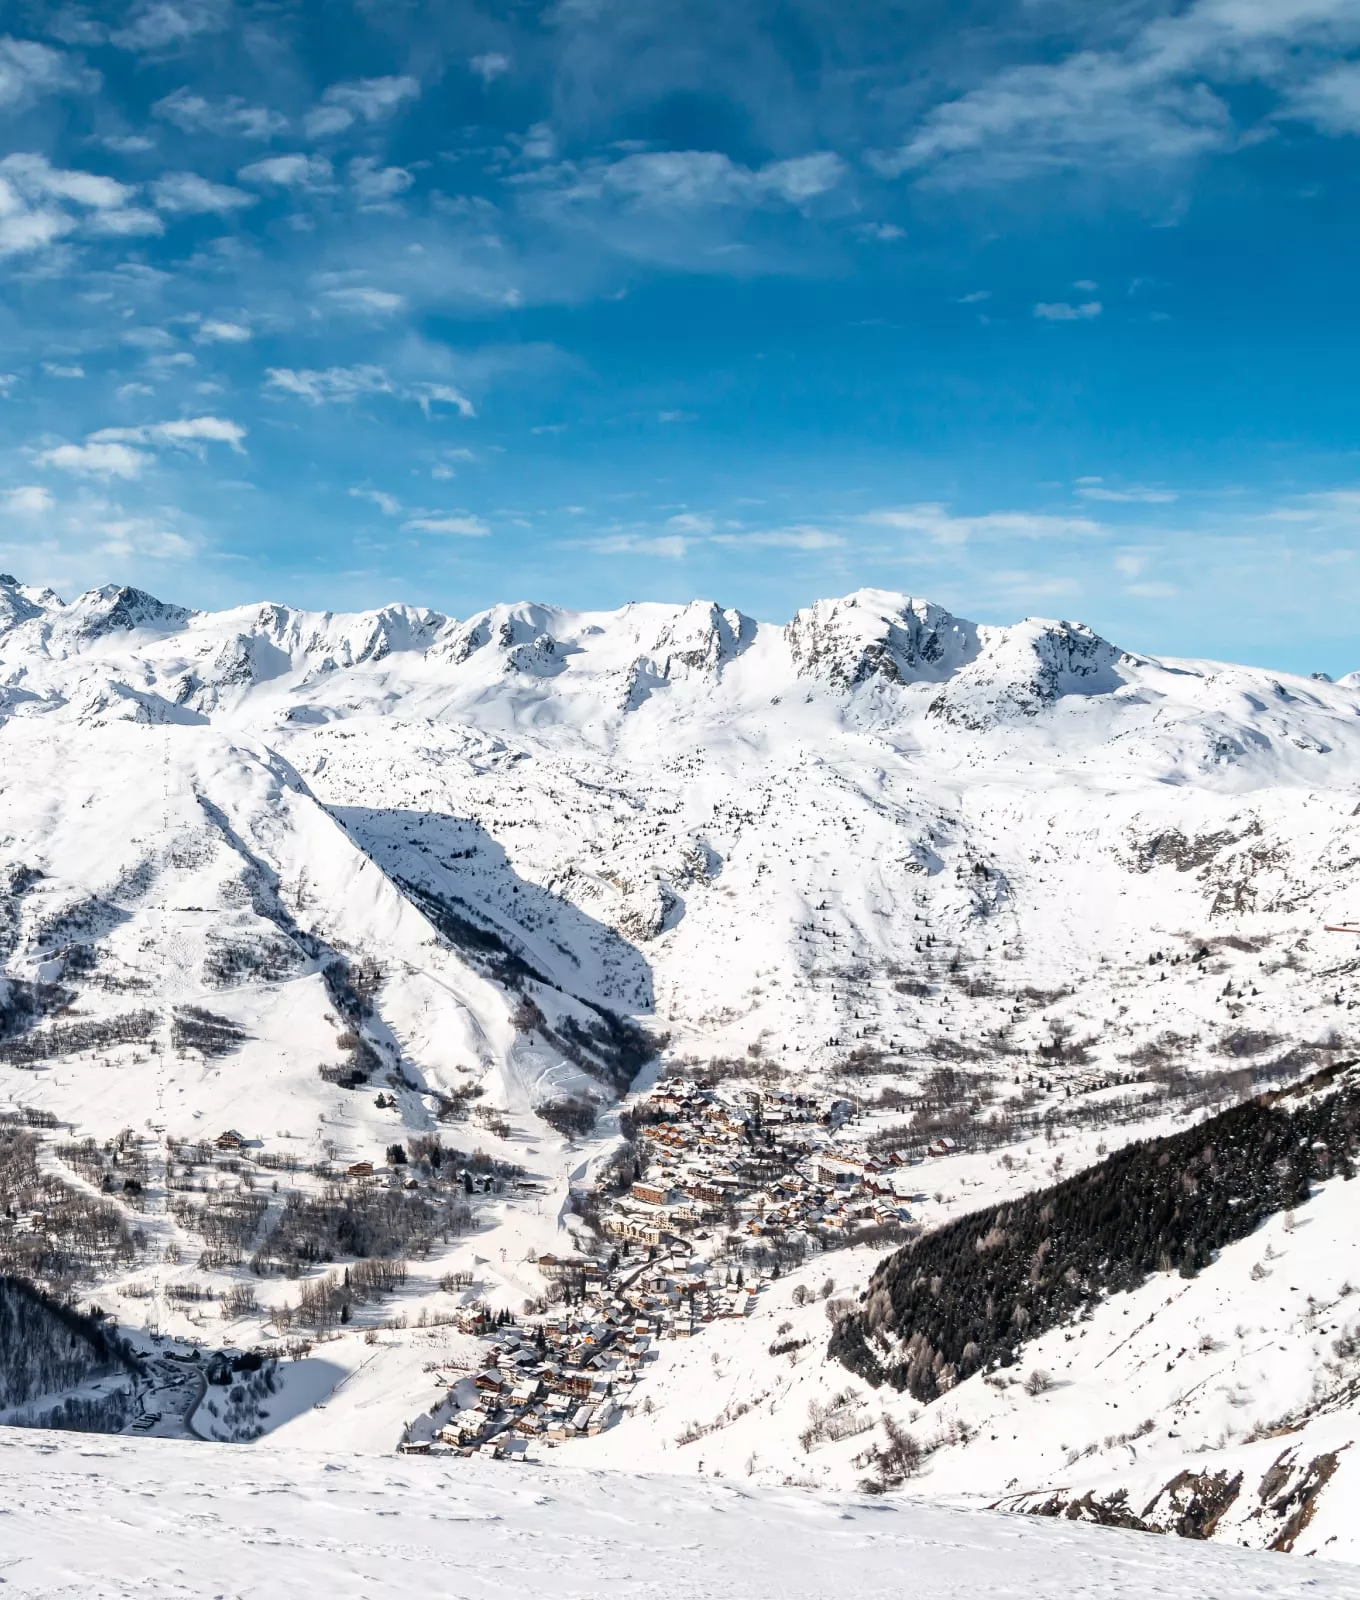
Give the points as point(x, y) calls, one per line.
point(767, 1166)
point(572, 1374)
point(768, 1163)
point(559, 1379)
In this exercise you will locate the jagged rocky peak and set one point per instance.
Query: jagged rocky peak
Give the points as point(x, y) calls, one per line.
point(119, 608)
point(701, 637)
point(1023, 669)
point(330, 639)
point(18, 603)
point(875, 634)
point(524, 637)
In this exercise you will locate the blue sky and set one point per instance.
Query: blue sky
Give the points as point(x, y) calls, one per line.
point(1039, 308)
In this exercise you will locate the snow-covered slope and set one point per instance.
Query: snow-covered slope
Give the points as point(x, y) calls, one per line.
point(467, 862)
point(1222, 1405)
point(684, 816)
point(116, 1517)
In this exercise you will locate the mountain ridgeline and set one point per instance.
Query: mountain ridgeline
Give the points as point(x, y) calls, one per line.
point(966, 1297)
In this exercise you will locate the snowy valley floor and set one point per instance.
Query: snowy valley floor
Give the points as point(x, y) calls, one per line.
point(114, 1517)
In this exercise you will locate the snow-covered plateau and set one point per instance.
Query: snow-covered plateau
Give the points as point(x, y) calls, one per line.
point(391, 1001)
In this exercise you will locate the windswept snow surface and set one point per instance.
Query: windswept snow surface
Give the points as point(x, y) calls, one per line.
point(116, 1518)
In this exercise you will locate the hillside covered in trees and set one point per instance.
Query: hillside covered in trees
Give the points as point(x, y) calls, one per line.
point(964, 1298)
point(48, 1349)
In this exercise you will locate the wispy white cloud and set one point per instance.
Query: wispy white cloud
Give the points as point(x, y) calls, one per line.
point(1150, 101)
point(189, 194)
point(125, 222)
point(293, 171)
point(936, 523)
point(490, 66)
point(798, 538)
point(693, 179)
point(124, 537)
point(388, 504)
point(1062, 311)
point(368, 98)
point(462, 527)
point(226, 118)
point(374, 185)
point(125, 144)
point(343, 384)
point(214, 330)
point(28, 500)
point(365, 300)
point(63, 369)
point(318, 386)
point(40, 203)
point(1331, 100)
point(127, 452)
point(690, 522)
point(182, 431)
point(163, 25)
point(665, 546)
point(29, 69)
point(36, 176)
point(96, 460)
point(1134, 495)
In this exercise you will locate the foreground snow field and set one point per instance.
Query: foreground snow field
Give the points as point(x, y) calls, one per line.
point(103, 1518)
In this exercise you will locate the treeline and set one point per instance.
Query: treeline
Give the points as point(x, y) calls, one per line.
point(66, 1038)
point(965, 1297)
point(22, 1003)
point(48, 1230)
point(358, 1221)
point(205, 1032)
point(47, 1347)
point(974, 1123)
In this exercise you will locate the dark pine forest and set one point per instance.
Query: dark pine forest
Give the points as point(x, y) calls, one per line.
point(966, 1297)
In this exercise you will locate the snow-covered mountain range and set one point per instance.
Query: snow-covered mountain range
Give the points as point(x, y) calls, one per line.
point(250, 859)
point(733, 832)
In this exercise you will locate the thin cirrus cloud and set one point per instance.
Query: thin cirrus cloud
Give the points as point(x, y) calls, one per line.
point(938, 524)
point(388, 504)
point(1153, 100)
point(687, 529)
point(369, 99)
point(689, 179)
point(1137, 495)
point(363, 300)
point(340, 385)
point(461, 527)
point(490, 66)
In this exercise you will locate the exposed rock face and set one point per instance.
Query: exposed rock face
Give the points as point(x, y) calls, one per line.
point(873, 635)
